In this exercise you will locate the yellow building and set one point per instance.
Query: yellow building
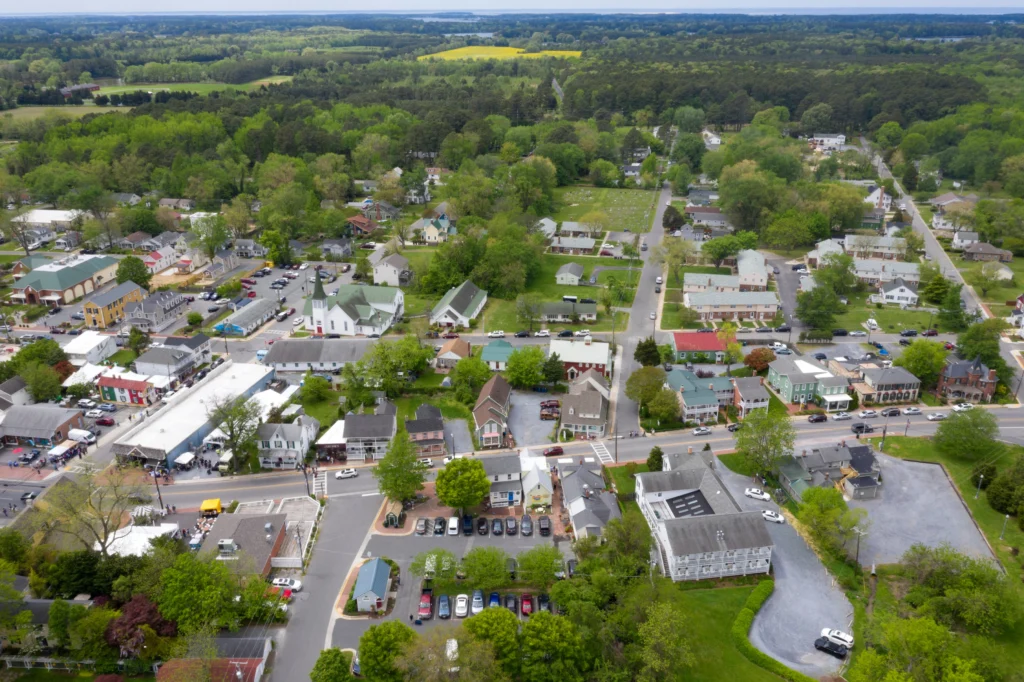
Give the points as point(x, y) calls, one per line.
point(107, 309)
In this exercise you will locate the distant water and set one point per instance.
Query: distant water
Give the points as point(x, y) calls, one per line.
point(483, 34)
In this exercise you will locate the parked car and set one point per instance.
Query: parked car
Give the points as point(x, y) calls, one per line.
point(421, 526)
point(105, 421)
point(820, 356)
point(496, 334)
point(935, 417)
point(542, 333)
point(908, 332)
point(494, 601)
point(450, 335)
point(522, 334)
point(482, 525)
point(511, 603)
point(773, 516)
point(890, 412)
point(544, 603)
point(858, 333)
point(439, 525)
point(733, 428)
point(930, 332)
point(85, 402)
point(426, 607)
point(950, 346)
point(462, 606)
point(552, 452)
point(346, 473)
point(497, 527)
point(94, 414)
point(861, 427)
point(526, 526)
point(838, 636)
point(757, 494)
point(544, 526)
point(510, 525)
point(817, 418)
point(840, 332)
point(867, 414)
point(582, 332)
point(830, 647)
point(911, 410)
point(526, 605)
point(702, 431)
point(565, 334)
point(108, 407)
point(444, 606)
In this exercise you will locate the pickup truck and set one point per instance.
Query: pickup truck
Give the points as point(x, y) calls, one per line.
point(426, 610)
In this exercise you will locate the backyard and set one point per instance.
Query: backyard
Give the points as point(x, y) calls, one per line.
point(996, 297)
point(890, 317)
point(627, 209)
point(501, 315)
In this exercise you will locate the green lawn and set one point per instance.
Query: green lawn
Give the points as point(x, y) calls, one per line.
point(631, 209)
point(625, 484)
point(737, 463)
point(419, 256)
point(890, 318)
point(71, 111)
point(123, 357)
point(775, 405)
point(429, 379)
point(710, 617)
point(997, 297)
point(199, 88)
point(450, 408)
point(325, 411)
point(501, 314)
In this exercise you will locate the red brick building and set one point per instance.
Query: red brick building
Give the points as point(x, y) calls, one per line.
point(579, 355)
point(970, 380)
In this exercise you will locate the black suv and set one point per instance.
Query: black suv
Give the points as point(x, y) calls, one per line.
point(817, 418)
point(497, 528)
point(481, 525)
point(908, 332)
point(510, 525)
point(861, 427)
point(467, 524)
point(840, 332)
point(891, 412)
point(526, 525)
point(829, 647)
point(439, 526)
point(544, 526)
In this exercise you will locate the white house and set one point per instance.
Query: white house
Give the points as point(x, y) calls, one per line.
point(711, 140)
point(873, 270)
point(752, 270)
point(160, 259)
point(569, 274)
point(284, 446)
point(459, 306)
point(50, 219)
point(899, 291)
point(392, 271)
point(353, 310)
point(963, 239)
point(829, 139)
point(506, 476)
point(879, 198)
point(90, 346)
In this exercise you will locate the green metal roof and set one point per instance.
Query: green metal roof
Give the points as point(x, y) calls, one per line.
point(498, 350)
point(35, 260)
point(357, 302)
point(696, 391)
point(65, 278)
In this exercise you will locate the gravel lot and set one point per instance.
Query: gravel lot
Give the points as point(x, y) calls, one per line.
point(525, 421)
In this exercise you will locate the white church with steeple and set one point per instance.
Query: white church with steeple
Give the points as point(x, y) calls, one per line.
point(353, 310)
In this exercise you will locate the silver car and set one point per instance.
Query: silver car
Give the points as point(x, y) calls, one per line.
point(478, 602)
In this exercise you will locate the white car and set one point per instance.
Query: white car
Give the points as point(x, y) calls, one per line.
point(757, 494)
point(451, 458)
point(287, 584)
point(95, 414)
point(427, 462)
point(298, 321)
point(911, 410)
point(346, 473)
point(963, 407)
point(777, 346)
point(773, 516)
point(841, 416)
point(653, 315)
point(582, 332)
point(85, 402)
point(496, 334)
point(867, 414)
point(838, 636)
point(462, 606)
point(542, 333)
point(858, 333)
point(936, 417)
point(304, 266)
point(702, 431)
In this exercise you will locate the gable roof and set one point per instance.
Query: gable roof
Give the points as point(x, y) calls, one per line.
point(890, 375)
point(698, 342)
point(716, 532)
point(66, 277)
point(954, 369)
point(35, 421)
point(897, 283)
point(984, 248)
point(372, 579)
point(570, 269)
point(501, 465)
point(498, 350)
point(463, 299)
point(493, 400)
point(107, 297)
point(396, 261)
point(369, 425)
point(457, 346)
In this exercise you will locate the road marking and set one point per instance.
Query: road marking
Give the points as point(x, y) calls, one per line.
point(601, 450)
point(320, 484)
point(370, 494)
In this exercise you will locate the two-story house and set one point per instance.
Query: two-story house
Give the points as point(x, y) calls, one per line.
point(696, 283)
point(700, 398)
point(199, 347)
point(505, 474)
point(107, 309)
point(741, 305)
point(367, 436)
point(127, 388)
point(899, 292)
point(752, 270)
point(427, 431)
point(963, 239)
point(336, 248)
point(161, 259)
point(698, 347)
point(249, 248)
point(855, 468)
point(459, 306)
point(802, 381)
point(888, 385)
point(284, 446)
point(490, 414)
point(970, 380)
point(875, 271)
point(587, 499)
point(584, 411)
point(878, 248)
point(392, 271)
point(749, 394)
point(157, 311)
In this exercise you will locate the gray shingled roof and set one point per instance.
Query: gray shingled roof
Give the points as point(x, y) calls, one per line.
point(716, 532)
point(35, 421)
point(312, 351)
point(504, 464)
point(571, 269)
point(107, 297)
point(369, 425)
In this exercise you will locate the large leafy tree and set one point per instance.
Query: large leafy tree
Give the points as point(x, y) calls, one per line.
point(486, 567)
point(462, 483)
point(196, 592)
point(674, 254)
point(437, 562)
point(817, 307)
point(664, 646)
point(836, 272)
point(399, 474)
point(500, 629)
point(379, 650)
point(524, 367)
point(721, 248)
point(759, 359)
point(981, 340)
point(333, 665)
point(238, 418)
point(749, 195)
point(428, 658)
point(765, 438)
point(925, 360)
point(664, 406)
point(967, 435)
point(647, 353)
point(644, 384)
point(553, 369)
point(468, 376)
point(951, 313)
point(552, 650)
point(528, 309)
point(829, 519)
point(537, 566)
point(132, 269)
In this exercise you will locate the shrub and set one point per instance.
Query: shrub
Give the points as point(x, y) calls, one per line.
point(984, 474)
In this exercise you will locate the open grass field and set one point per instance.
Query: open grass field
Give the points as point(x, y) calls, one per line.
point(628, 209)
point(489, 52)
point(70, 112)
point(500, 314)
point(996, 297)
point(890, 318)
point(199, 88)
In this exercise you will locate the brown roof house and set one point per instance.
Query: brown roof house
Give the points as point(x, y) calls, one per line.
point(427, 431)
point(490, 415)
point(983, 251)
point(585, 409)
point(968, 380)
point(451, 352)
point(363, 225)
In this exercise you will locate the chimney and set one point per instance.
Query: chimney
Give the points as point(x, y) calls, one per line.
point(586, 491)
point(587, 340)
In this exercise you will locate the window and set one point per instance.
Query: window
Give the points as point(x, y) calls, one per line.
point(266, 445)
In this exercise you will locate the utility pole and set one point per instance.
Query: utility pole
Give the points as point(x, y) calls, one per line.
point(306, 477)
point(159, 497)
point(298, 539)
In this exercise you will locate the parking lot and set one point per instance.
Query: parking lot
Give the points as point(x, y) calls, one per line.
point(917, 505)
point(524, 420)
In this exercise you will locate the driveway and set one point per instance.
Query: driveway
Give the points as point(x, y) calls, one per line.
point(525, 422)
point(787, 282)
point(456, 432)
point(804, 601)
point(917, 505)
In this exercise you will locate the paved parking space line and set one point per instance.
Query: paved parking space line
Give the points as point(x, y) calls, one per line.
point(601, 450)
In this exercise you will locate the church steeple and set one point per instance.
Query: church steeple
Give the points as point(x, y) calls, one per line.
point(318, 289)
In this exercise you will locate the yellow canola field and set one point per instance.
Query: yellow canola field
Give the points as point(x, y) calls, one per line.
point(488, 52)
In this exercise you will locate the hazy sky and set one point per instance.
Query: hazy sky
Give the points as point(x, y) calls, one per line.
point(752, 6)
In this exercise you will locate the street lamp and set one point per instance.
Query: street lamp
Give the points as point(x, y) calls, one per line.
point(1005, 519)
point(981, 478)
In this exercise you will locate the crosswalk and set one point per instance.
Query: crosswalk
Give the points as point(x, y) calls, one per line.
point(601, 450)
point(320, 485)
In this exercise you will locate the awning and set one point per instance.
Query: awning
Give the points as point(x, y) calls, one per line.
point(58, 450)
point(835, 398)
point(52, 297)
point(185, 458)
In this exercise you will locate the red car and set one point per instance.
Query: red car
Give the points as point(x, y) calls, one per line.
point(105, 421)
point(426, 609)
point(450, 335)
point(291, 311)
point(950, 346)
point(551, 452)
point(930, 332)
point(252, 294)
point(527, 605)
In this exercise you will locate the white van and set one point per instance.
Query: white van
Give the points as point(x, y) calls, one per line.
point(453, 525)
point(658, 280)
point(82, 436)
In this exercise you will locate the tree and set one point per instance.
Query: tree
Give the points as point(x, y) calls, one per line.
point(647, 353)
point(733, 351)
point(238, 418)
point(399, 474)
point(333, 665)
point(844, 206)
point(987, 277)
point(925, 360)
point(765, 438)
point(468, 377)
point(537, 566)
point(462, 483)
point(138, 341)
point(315, 388)
point(759, 359)
point(664, 406)
point(379, 650)
point(817, 307)
point(967, 435)
point(816, 118)
point(910, 178)
point(528, 309)
point(132, 269)
point(524, 366)
point(982, 341)
point(672, 219)
point(721, 248)
point(951, 312)
point(194, 319)
point(749, 195)
point(664, 649)
point(42, 381)
point(655, 459)
point(213, 233)
point(644, 384)
point(830, 521)
point(836, 272)
point(17, 231)
point(430, 658)
point(934, 288)
point(553, 369)
point(628, 544)
point(388, 363)
point(90, 510)
point(197, 592)
point(674, 254)
point(437, 563)
point(552, 650)
point(279, 250)
point(500, 629)
point(790, 230)
point(138, 621)
point(486, 567)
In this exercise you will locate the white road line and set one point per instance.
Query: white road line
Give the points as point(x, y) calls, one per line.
point(601, 450)
point(370, 494)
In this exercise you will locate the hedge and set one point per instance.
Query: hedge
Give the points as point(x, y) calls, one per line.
point(741, 629)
